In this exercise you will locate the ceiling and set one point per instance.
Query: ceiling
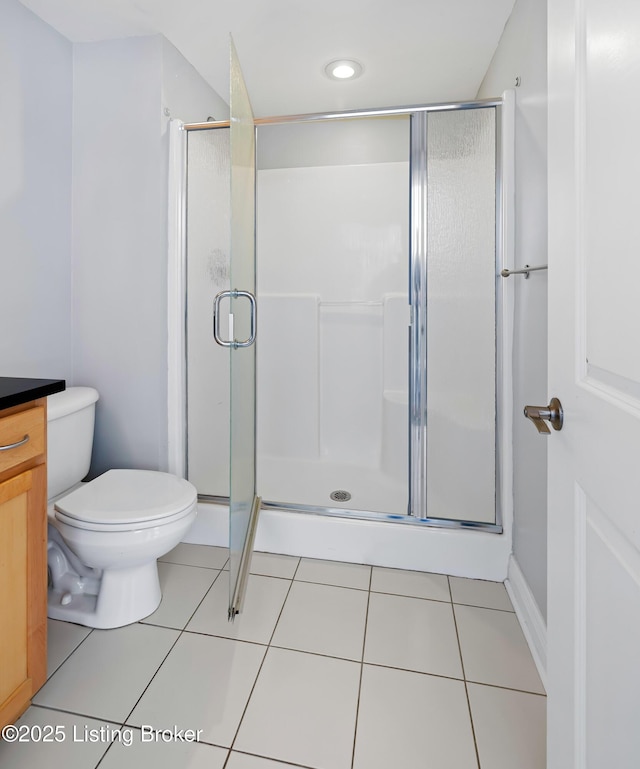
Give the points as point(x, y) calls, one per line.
point(412, 51)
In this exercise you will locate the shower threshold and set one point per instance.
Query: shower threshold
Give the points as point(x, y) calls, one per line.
point(366, 515)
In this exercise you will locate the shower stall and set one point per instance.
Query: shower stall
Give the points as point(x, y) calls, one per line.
point(382, 323)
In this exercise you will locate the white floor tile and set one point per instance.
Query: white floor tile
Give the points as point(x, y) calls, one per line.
point(66, 753)
point(417, 584)
point(494, 649)
point(334, 573)
point(323, 619)
point(156, 753)
point(480, 592)
point(183, 587)
point(413, 721)
point(302, 710)
point(273, 565)
point(205, 556)
point(105, 676)
point(62, 639)
point(510, 727)
point(245, 761)
point(262, 604)
point(203, 684)
point(413, 634)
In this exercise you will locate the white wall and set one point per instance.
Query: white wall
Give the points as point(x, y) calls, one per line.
point(120, 149)
point(35, 196)
point(184, 93)
point(522, 53)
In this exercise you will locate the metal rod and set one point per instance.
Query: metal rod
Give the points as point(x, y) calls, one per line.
point(525, 271)
point(237, 599)
point(373, 112)
point(206, 126)
point(418, 261)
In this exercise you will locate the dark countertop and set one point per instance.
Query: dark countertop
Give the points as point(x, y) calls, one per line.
point(15, 391)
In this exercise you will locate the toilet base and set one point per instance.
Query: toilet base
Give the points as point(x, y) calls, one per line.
point(125, 596)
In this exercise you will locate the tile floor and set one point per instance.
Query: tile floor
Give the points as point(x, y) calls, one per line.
point(331, 666)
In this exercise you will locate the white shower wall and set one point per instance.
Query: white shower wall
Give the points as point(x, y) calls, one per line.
point(332, 355)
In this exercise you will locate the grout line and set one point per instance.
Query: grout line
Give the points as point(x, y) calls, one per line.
point(226, 638)
point(77, 713)
point(284, 603)
point(417, 597)
point(102, 757)
point(75, 648)
point(416, 672)
point(103, 721)
point(164, 659)
point(235, 736)
point(181, 632)
point(207, 591)
point(182, 629)
point(316, 654)
point(488, 608)
point(483, 608)
point(269, 758)
point(364, 641)
point(193, 565)
point(331, 584)
point(507, 688)
point(466, 689)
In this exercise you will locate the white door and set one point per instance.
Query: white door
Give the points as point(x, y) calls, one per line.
point(594, 368)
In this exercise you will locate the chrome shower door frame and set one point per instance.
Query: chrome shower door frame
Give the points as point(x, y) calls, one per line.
point(417, 409)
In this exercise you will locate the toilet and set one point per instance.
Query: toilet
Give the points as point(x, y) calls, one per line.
point(105, 536)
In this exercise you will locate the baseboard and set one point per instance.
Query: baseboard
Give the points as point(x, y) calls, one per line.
point(531, 620)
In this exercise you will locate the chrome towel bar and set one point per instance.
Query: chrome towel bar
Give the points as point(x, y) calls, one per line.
point(525, 271)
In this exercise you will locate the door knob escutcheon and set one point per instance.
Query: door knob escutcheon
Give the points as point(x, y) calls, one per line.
point(540, 415)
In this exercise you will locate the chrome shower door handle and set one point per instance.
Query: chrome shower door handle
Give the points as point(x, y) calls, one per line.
point(540, 415)
point(216, 319)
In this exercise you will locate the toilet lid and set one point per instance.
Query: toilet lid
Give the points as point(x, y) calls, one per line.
point(128, 497)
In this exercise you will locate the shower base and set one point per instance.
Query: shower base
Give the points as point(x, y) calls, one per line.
point(311, 483)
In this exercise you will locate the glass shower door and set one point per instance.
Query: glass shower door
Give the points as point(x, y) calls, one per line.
point(244, 504)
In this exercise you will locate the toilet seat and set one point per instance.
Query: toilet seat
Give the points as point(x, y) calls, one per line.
point(123, 500)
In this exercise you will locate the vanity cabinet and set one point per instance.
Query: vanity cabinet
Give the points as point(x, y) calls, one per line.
point(23, 556)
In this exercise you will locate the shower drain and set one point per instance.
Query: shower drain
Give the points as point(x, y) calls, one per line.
point(340, 495)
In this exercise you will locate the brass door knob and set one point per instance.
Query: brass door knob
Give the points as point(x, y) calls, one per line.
point(540, 415)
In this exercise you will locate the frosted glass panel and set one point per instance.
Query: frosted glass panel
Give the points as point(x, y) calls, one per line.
point(461, 275)
point(208, 215)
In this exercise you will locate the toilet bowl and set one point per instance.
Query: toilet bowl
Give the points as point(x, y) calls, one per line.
point(105, 536)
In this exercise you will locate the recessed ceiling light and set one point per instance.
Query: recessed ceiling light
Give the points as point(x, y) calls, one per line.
point(343, 69)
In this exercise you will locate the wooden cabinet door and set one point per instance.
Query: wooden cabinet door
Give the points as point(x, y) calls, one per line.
point(22, 591)
point(14, 503)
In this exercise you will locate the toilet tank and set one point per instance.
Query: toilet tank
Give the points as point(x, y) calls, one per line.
point(70, 421)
